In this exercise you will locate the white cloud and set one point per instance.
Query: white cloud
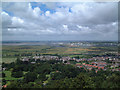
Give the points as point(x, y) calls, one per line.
point(6, 19)
point(36, 11)
point(4, 13)
point(16, 20)
point(65, 27)
point(47, 13)
point(79, 26)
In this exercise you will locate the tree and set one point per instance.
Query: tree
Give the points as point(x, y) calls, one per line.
point(82, 81)
point(57, 76)
point(30, 77)
point(3, 74)
point(3, 81)
point(65, 61)
point(38, 84)
point(17, 74)
point(18, 61)
point(17, 68)
point(14, 84)
point(112, 81)
point(42, 77)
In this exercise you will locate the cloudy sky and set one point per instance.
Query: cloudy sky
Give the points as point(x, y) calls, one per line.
point(59, 21)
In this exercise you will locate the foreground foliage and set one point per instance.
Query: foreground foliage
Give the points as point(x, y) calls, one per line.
point(55, 74)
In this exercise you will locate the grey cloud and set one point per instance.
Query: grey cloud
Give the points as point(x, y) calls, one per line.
point(95, 20)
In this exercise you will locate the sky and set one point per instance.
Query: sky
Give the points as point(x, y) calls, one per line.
point(38, 21)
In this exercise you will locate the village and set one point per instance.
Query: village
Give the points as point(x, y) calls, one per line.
point(97, 63)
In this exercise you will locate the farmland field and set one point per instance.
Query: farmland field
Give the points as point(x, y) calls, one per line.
point(11, 52)
point(9, 60)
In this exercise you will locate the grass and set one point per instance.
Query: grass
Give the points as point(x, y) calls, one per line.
point(8, 60)
point(24, 72)
point(78, 63)
point(8, 76)
point(46, 81)
point(13, 51)
point(49, 77)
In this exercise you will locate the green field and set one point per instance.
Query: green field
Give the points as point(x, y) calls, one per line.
point(8, 76)
point(8, 60)
point(15, 51)
point(49, 77)
point(11, 53)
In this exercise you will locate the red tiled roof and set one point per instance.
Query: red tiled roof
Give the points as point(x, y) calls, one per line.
point(100, 67)
point(4, 86)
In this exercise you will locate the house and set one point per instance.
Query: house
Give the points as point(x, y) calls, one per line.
point(96, 71)
point(83, 63)
point(89, 68)
point(68, 63)
point(57, 71)
point(100, 67)
point(4, 86)
point(25, 59)
point(79, 65)
point(32, 62)
point(4, 69)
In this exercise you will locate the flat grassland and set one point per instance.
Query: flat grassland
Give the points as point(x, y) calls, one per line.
point(11, 53)
point(9, 60)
